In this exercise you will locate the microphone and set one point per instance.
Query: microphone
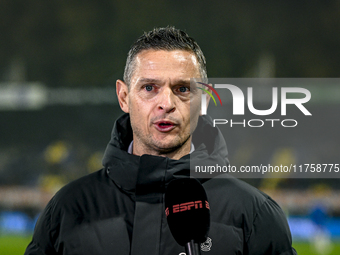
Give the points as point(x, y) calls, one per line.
point(188, 213)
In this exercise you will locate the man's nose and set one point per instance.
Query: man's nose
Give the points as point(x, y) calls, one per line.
point(166, 101)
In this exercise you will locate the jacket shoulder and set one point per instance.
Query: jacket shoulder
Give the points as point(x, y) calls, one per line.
point(235, 193)
point(235, 203)
point(88, 182)
point(85, 194)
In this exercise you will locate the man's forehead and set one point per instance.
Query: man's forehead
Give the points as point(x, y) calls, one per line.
point(179, 55)
point(161, 80)
point(152, 64)
point(178, 52)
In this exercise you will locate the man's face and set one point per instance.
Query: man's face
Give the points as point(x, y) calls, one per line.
point(161, 102)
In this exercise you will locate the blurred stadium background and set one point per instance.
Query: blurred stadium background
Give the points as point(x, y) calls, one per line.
point(59, 63)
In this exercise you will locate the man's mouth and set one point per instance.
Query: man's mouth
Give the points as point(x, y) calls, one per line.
point(164, 126)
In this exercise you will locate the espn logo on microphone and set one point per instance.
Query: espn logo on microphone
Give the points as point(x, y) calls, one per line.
point(187, 207)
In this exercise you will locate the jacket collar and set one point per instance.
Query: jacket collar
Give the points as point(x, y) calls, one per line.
point(151, 174)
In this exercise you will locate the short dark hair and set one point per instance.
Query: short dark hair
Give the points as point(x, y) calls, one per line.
point(164, 38)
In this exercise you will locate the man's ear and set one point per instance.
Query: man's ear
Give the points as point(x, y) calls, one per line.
point(207, 99)
point(122, 91)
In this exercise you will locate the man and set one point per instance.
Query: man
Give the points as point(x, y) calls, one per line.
point(120, 209)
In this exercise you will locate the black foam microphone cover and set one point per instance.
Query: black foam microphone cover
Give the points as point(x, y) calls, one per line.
point(187, 210)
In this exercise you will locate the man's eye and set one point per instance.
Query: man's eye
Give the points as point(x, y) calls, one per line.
point(183, 89)
point(148, 87)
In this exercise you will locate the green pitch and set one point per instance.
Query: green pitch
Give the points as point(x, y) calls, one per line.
point(308, 249)
point(13, 245)
point(16, 245)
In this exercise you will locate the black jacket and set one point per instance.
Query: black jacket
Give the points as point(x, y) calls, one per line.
point(120, 209)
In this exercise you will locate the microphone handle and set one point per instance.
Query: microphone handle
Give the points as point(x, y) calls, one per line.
point(192, 248)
